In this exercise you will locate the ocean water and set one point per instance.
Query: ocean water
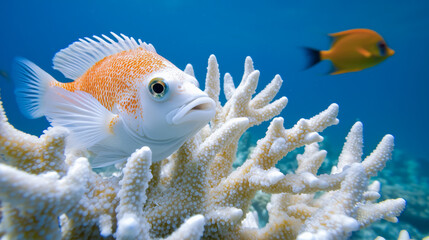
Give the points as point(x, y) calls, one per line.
point(390, 98)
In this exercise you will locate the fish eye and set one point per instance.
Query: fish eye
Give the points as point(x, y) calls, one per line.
point(382, 48)
point(158, 88)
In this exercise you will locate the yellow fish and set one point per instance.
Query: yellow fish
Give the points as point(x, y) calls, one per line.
point(352, 50)
point(124, 96)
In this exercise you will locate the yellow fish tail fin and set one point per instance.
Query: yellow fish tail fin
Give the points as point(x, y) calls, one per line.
point(31, 85)
point(313, 57)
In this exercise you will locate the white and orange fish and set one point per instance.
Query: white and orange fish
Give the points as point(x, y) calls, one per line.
point(124, 96)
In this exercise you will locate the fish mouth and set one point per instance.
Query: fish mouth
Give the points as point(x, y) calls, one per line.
point(201, 109)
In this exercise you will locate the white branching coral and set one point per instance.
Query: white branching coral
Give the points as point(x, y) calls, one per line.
point(196, 193)
point(32, 203)
point(335, 214)
point(403, 235)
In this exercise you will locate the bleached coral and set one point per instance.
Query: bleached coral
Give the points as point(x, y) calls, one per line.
point(196, 193)
point(403, 235)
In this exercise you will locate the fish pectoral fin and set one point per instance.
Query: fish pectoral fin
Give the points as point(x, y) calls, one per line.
point(105, 156)
point(87, 119)
point(364, 52)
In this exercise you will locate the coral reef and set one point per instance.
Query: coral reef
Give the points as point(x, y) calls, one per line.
point(195, 193)
point(406, 176)
point(403, 235)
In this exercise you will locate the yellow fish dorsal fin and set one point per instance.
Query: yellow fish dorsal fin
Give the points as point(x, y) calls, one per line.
point(77, 58)
point(339, 35)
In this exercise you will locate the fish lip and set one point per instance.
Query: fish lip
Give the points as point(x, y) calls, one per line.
point(199, 109)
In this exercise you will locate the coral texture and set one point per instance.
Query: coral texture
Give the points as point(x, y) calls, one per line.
point(196, 193)
point(403, 235)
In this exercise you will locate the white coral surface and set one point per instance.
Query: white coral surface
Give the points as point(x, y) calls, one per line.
point(195, 193)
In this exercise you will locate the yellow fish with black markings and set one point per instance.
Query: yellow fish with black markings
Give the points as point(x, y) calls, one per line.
point(352, 50)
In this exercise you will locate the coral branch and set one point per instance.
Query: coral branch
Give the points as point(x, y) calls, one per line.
point(334, 221)
point(222, 138)
point(32, 203)
point(192, 229)
point(29, 153)
point(279, 141)
point(311, 160)
point(352, 150)
point(389, 210)
point(378, 158)
point(267, 94)
point(131, 222)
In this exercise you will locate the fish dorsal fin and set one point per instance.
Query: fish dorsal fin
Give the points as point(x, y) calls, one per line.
point(337, 36)
point(77, 58)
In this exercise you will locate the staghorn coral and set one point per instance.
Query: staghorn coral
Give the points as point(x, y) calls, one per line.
point(403, 235)
point(195, 193)
point(334, 214)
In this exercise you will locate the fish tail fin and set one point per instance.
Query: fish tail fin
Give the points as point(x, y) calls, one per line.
point(31, 85)
point(313, 57)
